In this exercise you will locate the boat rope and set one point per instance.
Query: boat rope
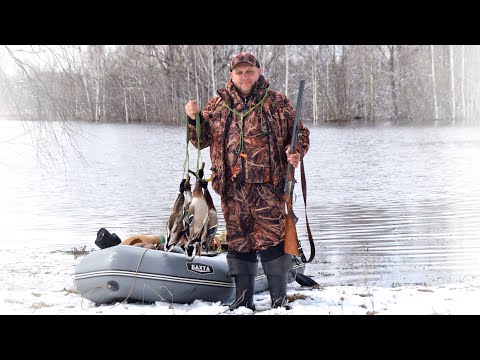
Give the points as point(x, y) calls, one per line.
point(133, 283)
point(135, 277)
point(89, 291)
point(132, 287)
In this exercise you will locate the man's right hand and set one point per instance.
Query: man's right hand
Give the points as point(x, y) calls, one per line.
point(191, 109)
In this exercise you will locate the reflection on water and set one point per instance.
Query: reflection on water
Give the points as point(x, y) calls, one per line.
point(386, 205)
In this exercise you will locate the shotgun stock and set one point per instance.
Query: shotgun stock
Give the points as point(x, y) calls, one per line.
point(291, 239)
point(292, 244)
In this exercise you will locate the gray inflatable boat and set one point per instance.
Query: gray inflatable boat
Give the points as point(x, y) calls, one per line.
point(135, 274)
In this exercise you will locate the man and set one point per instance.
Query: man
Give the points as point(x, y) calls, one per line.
point(249, 128)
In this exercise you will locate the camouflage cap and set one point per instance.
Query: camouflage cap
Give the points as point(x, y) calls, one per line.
point(244, 57)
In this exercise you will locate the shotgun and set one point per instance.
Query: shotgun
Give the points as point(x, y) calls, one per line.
point(292, 244)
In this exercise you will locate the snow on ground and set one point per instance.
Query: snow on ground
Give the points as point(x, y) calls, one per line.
point(41, 282)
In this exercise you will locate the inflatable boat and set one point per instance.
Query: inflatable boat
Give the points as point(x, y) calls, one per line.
point(135, 274)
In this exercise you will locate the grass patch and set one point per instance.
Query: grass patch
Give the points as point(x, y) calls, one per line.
point(297, 296)
point(76, 252)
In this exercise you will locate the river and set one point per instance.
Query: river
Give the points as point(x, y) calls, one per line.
point(388, 205)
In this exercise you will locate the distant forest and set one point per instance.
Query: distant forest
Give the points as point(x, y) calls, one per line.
point(152, 83)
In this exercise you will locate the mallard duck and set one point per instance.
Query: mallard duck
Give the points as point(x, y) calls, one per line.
point(175, 227)
point(186, 205)
point(211, 228)
point(197, 216)
point(177, 210)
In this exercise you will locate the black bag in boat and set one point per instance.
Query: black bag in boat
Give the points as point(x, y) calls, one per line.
point(105, 239)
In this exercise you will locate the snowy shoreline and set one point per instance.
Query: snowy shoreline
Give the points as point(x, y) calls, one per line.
point(41, 282)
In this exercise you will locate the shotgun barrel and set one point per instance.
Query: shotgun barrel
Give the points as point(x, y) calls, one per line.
point(292, 244)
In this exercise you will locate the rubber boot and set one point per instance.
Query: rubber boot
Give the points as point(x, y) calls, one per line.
point(277, 275)
point(244, 273)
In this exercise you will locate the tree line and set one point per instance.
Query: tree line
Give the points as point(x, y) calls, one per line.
point(152, 83)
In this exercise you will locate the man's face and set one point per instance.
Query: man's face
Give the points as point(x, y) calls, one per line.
point(244, 77)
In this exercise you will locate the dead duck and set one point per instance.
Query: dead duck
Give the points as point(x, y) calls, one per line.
point(176, 230)
point(186, 205)
point(197, 217)
point(212, 222)
point(177, 210)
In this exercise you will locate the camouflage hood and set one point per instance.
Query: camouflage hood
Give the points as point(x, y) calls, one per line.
point(232, 98)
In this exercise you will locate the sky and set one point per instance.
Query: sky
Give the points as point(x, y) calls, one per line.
point(41, 282)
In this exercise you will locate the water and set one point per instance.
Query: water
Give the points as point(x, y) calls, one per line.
point(387, 205)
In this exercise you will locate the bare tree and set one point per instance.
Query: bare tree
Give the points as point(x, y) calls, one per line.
point(452, 83)
point(434, 84)
point(151, 83)
point(462, 82)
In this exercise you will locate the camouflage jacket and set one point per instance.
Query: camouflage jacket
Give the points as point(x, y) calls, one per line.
point(267, 133)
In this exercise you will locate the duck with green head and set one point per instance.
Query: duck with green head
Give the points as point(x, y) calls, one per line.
point(197, 216)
